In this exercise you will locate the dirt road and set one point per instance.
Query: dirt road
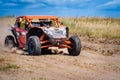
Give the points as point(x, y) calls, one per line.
point(89, 65)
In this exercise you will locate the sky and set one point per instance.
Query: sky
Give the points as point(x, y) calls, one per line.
point(64, 8)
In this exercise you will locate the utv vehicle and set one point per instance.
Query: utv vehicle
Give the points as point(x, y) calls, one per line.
point(37, 33)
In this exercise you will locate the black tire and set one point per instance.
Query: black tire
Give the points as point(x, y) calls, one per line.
point(76, 46)
point(9, 42)
point(34, 46)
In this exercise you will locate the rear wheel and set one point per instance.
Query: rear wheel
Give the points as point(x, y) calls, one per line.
point(34, 46)
point(9, 42)
point(76, 46)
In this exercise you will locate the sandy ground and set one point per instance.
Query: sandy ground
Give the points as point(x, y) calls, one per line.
point(89, 65)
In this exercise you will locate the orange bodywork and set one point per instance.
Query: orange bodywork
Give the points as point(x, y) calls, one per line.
point(65, 45)
point(29, 18)
point(41, 17)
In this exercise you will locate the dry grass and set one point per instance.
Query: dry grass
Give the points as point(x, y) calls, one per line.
point(8, 67)
point(84, 26)
point(93, 27)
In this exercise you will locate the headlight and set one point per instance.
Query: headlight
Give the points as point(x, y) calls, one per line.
point(64, 31)
point(47, 31)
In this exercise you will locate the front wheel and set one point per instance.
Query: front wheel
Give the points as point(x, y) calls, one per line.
point(75, 45)
point(34, 46)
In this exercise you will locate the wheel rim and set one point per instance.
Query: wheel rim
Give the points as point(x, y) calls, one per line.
point(31, 47)
point(72, 45)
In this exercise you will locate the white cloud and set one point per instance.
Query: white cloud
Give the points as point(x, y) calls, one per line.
point(10, 4)
point(62, 2)
point(35, 6)
point(110, 4)
point(57, 2)
point(31, 1)
point(113, 2)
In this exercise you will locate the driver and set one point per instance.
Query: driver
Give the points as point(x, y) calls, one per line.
point(22, 24)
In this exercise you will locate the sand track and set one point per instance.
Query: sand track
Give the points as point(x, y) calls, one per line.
point(89, 65)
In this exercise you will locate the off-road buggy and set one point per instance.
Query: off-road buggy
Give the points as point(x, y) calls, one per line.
point(37, 33)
